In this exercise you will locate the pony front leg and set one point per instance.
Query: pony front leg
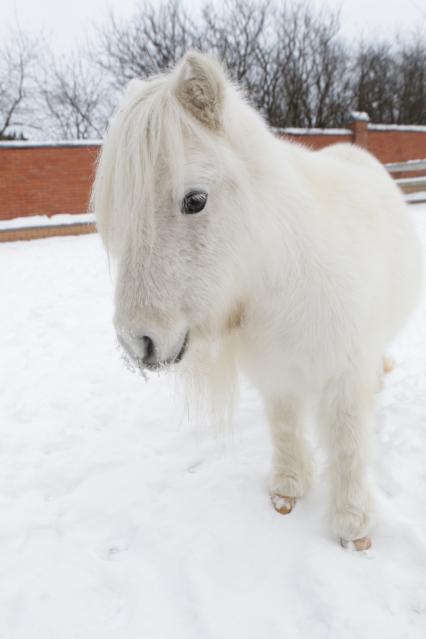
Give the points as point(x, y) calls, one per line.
point(346, 410)
point(291, 464)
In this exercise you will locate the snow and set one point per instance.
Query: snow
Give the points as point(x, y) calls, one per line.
point(417, 128)
point(419, 196)
point(360, 116)
point(120, 520)
point(420, 181)
point(31, 144)
point(410, 165)
point(297, 131)
point(61, 219)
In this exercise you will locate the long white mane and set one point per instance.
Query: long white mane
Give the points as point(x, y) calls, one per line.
point(148, 127)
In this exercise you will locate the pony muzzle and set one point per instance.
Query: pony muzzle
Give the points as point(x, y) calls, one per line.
point(147, 352)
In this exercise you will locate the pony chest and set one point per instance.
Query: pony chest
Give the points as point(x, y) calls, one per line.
point(293, 360)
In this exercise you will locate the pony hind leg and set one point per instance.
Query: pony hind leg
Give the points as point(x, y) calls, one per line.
point(346, 410)
point(291, 463)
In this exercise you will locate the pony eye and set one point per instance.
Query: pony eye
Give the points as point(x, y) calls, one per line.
point(194, 202)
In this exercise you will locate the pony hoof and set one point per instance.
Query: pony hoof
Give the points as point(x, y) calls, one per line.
point(283, 505)
point(363, 543)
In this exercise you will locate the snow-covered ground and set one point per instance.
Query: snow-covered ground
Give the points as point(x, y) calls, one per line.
point(119, 520)
point(62, 219)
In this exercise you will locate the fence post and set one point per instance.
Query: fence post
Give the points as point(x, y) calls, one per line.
point(358, 121)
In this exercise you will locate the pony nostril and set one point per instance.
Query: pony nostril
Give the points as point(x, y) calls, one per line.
point(149, 348)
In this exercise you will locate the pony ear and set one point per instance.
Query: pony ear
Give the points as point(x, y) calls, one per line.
point(200, 88)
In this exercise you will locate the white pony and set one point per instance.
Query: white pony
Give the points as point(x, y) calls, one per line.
point(297, 266)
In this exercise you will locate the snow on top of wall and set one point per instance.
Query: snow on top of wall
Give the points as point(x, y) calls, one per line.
point(297, 131)
point(414, 162)
point(29, 144)
point(61, 219)
point(397, 127)
point(415, 198)
point(355, 115)
point(359, 116)
point(414, 180)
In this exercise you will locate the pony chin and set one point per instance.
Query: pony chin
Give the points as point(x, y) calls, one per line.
point(208, 376)
point(209, 371)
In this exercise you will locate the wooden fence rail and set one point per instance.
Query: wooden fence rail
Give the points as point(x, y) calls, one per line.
point(414, 186)
point(402, 167)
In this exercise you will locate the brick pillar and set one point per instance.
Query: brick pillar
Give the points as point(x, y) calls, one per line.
point(359, 125)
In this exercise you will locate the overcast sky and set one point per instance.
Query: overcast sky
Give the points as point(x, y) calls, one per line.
point(67, 21)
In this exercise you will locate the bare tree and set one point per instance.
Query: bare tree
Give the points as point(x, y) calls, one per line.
point(288, 58)
point(17, 57)
point(288, 55)
point(375, 81)
point(305, 82)
point(328, 94)
point(155, 38)
point(75, 97)
point(237, 35)
point(389, 80)
point(412, 81)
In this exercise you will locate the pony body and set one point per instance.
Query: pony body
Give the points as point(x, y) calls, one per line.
point(300, 269)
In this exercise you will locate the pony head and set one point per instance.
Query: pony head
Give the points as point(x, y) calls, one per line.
point(172, 198)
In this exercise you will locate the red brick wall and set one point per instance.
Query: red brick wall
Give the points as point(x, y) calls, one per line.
point(40, 180)
point(45, 180)
point(393, 144)
point(397, 145)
